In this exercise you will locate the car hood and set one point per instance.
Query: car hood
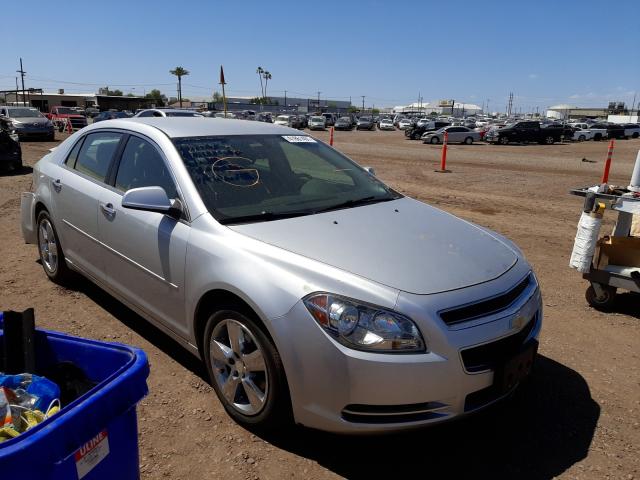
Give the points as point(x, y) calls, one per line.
point(404, 244)
point(38, 120)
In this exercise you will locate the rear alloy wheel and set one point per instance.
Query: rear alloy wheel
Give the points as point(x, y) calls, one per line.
point(635, 135)
point(549, 140)
point(468, 141)
point(582, 138)
point(503, 140)
point(597, 137)
point(50, 251)
point(245, 370)
point(435, 140)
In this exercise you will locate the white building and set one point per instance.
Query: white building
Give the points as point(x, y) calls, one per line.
point(458, 109)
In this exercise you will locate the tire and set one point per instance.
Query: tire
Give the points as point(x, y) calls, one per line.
point(51, 138)
point(503, 140)
point(256, 395)
point(606, 302)
point(434, 140)
point(635, 135)
point(597, 137)
point(50, 250)
point(468, 140)
point(549, 140)
point(582, 138)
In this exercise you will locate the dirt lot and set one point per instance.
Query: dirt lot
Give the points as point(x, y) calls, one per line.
point(578, 417)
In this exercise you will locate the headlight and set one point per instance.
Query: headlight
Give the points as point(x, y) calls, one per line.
point(364, 327)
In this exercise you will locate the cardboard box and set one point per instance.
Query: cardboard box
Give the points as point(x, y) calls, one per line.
point(624, 251)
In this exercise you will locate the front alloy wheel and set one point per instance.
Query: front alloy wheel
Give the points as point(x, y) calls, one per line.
point(238, 367)
point(245, 370)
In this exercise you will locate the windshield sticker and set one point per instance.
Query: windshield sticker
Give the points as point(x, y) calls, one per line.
point(299, 139)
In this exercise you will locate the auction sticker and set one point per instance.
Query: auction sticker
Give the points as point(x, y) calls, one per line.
point(92, 453)
point(299, 139)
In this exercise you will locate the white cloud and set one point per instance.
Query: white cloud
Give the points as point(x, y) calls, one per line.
point(533, 76)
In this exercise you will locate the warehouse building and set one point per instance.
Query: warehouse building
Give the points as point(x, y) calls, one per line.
point(45, 100)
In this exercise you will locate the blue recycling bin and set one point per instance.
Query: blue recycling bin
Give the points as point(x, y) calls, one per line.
point(95, 436)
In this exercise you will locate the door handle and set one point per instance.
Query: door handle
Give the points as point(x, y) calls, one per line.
point(57, 185)
point(108, 210)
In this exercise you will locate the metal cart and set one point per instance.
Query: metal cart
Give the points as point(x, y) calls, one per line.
point(605, 282)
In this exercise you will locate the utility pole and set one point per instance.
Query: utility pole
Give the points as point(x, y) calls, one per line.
point(488, 111)
point(510, 105)
point(362, 102)
point(22, 72)
point(285, 99)
point(319, 109)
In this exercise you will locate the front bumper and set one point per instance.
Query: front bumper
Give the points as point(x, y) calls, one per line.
point(335, 388)
point(30, 132)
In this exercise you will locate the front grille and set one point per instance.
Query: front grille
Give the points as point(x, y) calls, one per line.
point(380, 414)
point(489, 355)
point(485, 307)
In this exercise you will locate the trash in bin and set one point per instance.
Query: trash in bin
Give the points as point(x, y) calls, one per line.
point(25, 401)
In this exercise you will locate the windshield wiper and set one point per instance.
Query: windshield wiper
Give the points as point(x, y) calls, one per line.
point(263, 217)
point(356, 203)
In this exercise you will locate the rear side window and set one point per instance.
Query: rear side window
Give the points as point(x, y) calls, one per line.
point(142, 166)
point(96, 153)
point(73, 156)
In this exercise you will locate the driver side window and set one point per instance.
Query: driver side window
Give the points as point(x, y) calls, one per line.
point(142, 166)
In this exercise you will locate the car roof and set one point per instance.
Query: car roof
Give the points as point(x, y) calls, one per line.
point(177, 127)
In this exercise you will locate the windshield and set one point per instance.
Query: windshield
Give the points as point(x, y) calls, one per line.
point(24, 112)
point(182, 114)
point(317, 119)
point(282, 118)
point(249, 178)
point(67, 111)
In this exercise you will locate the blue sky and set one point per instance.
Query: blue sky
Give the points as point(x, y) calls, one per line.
point(545, 51)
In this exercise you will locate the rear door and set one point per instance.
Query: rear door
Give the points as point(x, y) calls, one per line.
point(145, 251)
point(75, 193)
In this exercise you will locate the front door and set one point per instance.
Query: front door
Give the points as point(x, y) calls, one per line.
point(145, 251)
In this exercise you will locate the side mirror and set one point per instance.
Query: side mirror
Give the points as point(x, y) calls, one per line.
point(151, 199)
point(370, 171)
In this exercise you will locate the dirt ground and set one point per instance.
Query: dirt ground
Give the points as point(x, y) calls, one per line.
point(577, 417)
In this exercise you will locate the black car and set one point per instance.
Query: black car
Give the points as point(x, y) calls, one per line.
point(110, 116)
point(613, 130)
point(527, 131)
point(416, 130)
point(10, 151)
point(366, 123)
point(344, 123)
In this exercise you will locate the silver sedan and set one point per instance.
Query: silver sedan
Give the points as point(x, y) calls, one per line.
point(310, 290)
point(454, 135)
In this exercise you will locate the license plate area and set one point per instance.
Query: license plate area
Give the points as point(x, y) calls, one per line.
point(516, 368)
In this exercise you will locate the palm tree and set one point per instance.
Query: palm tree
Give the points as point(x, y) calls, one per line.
point(179, 72)
point(260, 71)
point(267, 77)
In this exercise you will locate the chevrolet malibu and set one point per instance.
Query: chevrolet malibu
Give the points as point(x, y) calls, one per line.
point(311, 290)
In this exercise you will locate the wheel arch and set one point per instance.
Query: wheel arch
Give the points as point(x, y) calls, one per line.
point(222, 299)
